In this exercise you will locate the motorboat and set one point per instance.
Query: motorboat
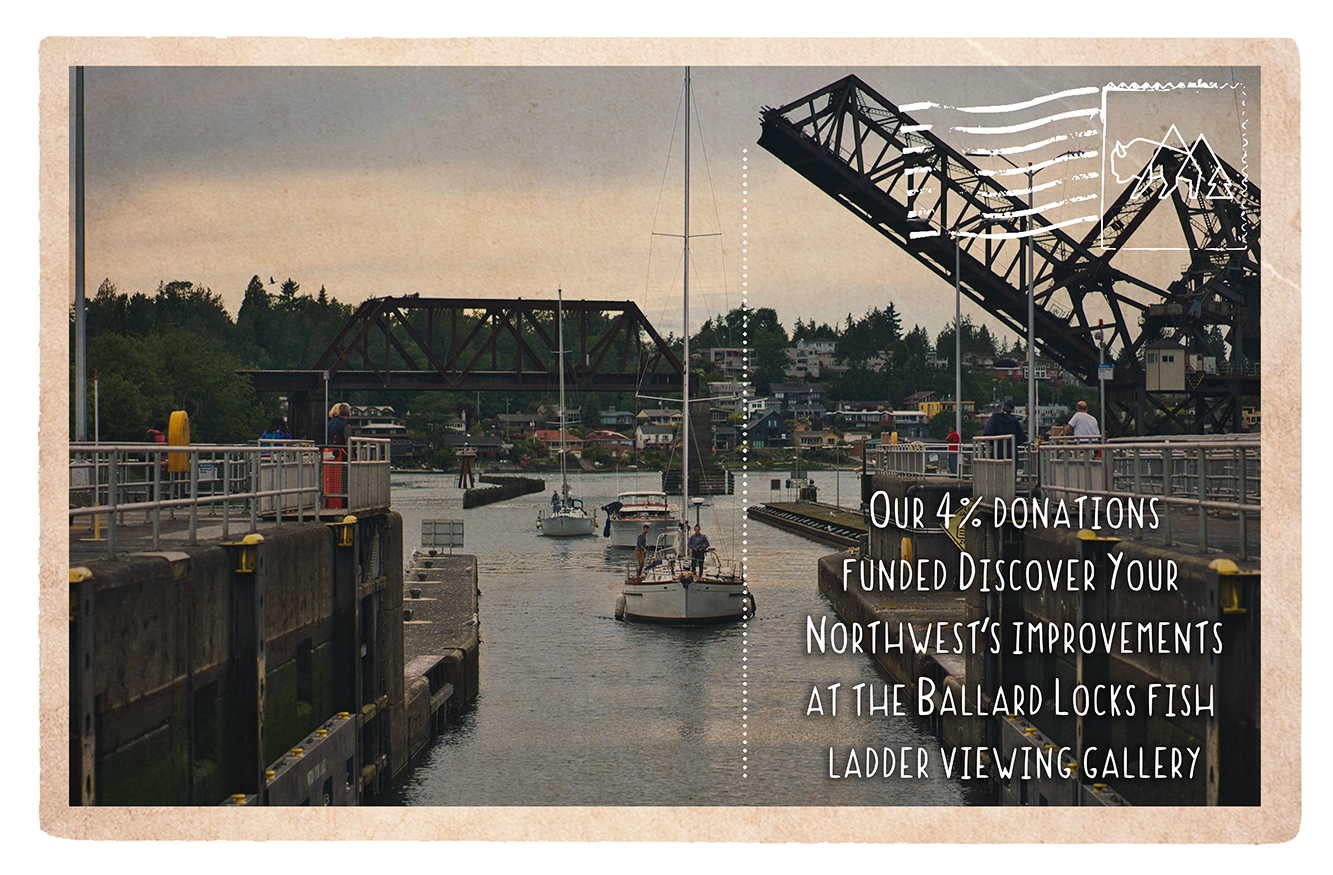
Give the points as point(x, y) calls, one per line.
point(628, 514)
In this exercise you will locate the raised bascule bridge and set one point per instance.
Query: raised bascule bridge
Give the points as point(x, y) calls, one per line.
point(919, 192)
point(928, 198)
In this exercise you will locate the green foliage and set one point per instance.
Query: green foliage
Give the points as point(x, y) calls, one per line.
point(445, 457)
point(943, 422)
point(428, 417)
point(598, 455)
point(179, 349)
point(141, 379)
point(868, 337)
point(530, 447)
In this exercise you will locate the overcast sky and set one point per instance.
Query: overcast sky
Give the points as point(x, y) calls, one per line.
point(516, 181)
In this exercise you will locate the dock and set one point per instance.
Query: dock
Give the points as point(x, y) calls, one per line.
point(441, 641)
point(825, 523)
point(1097, 601)
point(253, 638)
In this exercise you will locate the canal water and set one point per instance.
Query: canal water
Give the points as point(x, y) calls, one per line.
point(577, 708)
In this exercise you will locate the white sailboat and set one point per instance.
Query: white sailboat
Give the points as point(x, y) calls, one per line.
point(567, 516)
point(672, 588)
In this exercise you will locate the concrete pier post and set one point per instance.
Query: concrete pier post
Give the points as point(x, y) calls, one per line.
point(248, 662)
point(82, 690)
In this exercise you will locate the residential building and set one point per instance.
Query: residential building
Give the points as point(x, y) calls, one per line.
point(646, 436)
point(863, 414)
point(809, 439)
point(616, 419)
point(797, 393)
point(517, 425)
point(552, 441)
point(619, 445)
point(659, 416)
point(486, 446)
point(731, 361)
point(767, 430)
point(930, 408)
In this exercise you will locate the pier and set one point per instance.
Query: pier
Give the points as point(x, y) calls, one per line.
point(240, 633)
point(1062, 639)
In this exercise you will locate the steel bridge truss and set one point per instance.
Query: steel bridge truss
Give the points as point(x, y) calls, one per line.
point(487, 344)
point(913, 188)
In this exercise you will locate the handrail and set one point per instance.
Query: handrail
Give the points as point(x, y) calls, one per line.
point(1205, 476)
point(266, 480)
point(921, 458)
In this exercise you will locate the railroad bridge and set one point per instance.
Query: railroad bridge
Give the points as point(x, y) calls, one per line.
point(417, 344)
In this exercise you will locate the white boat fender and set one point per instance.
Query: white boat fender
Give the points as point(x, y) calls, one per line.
point(620, 606)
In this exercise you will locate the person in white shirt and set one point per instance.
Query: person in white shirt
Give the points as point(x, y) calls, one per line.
point(1082, 424)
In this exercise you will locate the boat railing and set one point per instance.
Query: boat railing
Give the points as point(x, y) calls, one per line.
point(234, 485)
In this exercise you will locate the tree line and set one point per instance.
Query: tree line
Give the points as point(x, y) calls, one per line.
point(179, 349)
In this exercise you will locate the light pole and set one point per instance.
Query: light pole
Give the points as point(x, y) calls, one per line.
point(1031, 173)
point(1101, 380)
point(958, 337)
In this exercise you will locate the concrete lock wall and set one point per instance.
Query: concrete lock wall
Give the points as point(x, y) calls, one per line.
point(216, 671)
point(1219, 674)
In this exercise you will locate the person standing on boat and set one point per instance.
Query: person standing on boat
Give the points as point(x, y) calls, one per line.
point(698, 546)
point(954, 440)
point(641, 549)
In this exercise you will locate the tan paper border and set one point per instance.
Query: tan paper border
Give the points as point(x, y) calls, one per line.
point(1276, 820)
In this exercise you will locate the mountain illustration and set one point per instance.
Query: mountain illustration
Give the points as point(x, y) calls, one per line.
point(1191, 178)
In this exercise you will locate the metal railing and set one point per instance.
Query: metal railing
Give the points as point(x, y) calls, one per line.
point(1209, 478)
point(920, 459)
point(996, 467)
point(237, 485)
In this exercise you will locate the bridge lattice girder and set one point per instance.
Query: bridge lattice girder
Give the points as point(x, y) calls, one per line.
point(487, 344)
point(912, 187)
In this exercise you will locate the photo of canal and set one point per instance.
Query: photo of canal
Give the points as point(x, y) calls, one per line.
point(577, 708)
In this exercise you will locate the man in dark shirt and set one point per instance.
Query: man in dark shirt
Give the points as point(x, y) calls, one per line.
point(698, 546)
point(1005, 423)
point(641, 550)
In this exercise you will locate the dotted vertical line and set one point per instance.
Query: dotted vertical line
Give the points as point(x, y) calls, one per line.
point(745, 463)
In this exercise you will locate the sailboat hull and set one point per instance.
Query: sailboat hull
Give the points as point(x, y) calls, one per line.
point(560, 525)
point(686, 602)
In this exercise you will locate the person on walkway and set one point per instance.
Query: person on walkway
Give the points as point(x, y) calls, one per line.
point(641, 550)
point(954, 439)
point(276, 431)
point(1005, 423)
point(337, 426)
point(698, 547)
point(1083, 424)
point(157, 434)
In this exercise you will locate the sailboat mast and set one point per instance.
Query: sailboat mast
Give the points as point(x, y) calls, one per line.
point(685, 387)
point(560, 359)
